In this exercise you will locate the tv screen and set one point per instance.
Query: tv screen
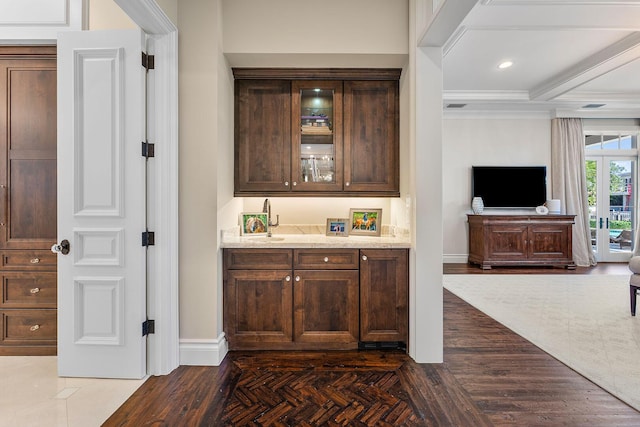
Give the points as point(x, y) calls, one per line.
point(510, 186)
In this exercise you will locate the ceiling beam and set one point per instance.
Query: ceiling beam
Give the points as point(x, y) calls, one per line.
point(596, 65)
point(444, 22)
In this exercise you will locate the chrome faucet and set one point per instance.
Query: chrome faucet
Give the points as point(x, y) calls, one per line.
point(266, 208)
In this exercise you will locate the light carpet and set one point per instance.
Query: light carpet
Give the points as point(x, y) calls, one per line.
point(582, 320)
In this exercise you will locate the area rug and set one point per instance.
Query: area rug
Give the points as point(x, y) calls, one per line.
point(582, 320)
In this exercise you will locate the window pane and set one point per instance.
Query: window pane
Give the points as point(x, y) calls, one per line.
point(610, 142)
point(627, 142)
point(592, 142)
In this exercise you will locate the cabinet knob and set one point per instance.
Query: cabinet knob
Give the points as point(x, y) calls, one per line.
point(35, 290)
point(35, 261)
point(34, 328)
point(364, 257)
point(347, 184)
point(297, 278)
point(286, 183)
point(326, 259)
point(288, 278)
point(295, 183)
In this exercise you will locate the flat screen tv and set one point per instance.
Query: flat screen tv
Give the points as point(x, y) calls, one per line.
point(510, 186)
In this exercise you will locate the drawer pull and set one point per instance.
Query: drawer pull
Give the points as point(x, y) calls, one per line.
point(364, 257)
point(35, 290)
point(35, 261)
point(326, 259)
point(288, 278)
point(34, 328)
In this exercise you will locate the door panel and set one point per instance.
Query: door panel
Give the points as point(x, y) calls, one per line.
point(612, 215)
point(101, 205)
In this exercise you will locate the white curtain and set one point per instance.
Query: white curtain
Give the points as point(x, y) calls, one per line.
point(569, 183)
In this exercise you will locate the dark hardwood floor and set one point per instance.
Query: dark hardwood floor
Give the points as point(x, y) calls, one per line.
point(490, 376)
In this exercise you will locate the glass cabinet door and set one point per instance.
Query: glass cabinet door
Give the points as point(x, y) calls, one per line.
point(317, 136)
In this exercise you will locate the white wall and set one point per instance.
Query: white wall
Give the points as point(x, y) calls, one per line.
point(484, 141)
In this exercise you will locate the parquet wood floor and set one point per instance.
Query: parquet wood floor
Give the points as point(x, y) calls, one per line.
point(490, 377)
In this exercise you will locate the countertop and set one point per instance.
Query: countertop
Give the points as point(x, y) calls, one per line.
point(310, 236)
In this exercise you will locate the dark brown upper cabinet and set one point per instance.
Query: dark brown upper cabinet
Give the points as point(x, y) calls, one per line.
point(317, 132)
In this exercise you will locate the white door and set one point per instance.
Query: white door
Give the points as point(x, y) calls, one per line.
point(101, 204)
point(611, 193)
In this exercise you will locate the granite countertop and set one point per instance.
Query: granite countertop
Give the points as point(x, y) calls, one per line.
point(313, 236)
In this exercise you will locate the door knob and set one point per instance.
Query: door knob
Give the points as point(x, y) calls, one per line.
point(61, 248)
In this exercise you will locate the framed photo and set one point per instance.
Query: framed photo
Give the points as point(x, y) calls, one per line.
point(337, 227)
point(365, 222)
point(253, 223)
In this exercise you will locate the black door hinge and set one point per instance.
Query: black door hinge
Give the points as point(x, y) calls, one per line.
point(148, 327)
point(148, 238)
point(148, 61)
point(148, 150)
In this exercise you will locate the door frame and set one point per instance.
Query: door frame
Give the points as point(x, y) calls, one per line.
point(163, 353)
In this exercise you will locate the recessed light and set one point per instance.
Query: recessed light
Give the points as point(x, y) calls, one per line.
point(505, 64)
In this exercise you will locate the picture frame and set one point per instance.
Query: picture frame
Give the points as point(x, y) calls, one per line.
point(253, 223)
point(337, 227)
point(365, 222)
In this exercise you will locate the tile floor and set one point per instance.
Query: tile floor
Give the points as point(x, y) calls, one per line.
point(34, 395)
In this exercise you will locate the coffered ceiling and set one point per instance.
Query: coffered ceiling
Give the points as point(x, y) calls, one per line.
point(566, 55)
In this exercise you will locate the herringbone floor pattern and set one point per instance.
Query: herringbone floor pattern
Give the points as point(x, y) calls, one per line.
point(319, 396)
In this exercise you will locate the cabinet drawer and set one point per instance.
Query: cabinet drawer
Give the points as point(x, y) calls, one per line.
point(257, 259)
point(28, 290)
point(25, 327)
point(29, 260)
point(325, 259)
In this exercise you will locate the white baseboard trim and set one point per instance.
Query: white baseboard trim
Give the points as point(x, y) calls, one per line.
point(195, 352)
point(455, 258)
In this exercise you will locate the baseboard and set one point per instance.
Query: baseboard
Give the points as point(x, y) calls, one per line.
point(196, 352)
point(455, 258)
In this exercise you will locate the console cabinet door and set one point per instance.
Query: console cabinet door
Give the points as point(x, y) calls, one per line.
point(326, 306)
point(508, 242)
point(262, 136)
point(371, 137)
point(384, 285)
point(258, 307)
point(550, 241)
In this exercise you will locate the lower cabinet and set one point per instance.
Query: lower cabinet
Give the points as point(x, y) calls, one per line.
point(28, 300)
point(325, 299)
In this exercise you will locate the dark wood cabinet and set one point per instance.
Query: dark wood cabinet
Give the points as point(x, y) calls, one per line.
point(262, 136)
point(354, 153)
point(326, 299)
point(28, 200)
point(371, 134)
point(502, 240)
point(384, 295)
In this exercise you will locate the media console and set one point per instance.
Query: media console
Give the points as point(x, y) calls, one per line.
point(524, 240)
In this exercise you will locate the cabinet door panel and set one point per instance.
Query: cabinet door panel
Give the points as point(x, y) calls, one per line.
point(258, 306)
point(316, 123)
point(262, 136)
point(384, 290)
point(507, 242)
point(550, 241)
point(28, 161)
point(371, 136)
point(326, 306)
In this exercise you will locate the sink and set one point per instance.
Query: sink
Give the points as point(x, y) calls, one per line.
point(267, 239)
